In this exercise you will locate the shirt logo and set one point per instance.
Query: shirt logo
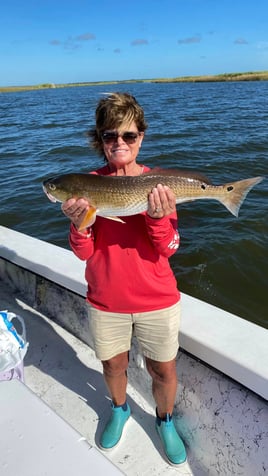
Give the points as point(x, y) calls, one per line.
point(174, 244)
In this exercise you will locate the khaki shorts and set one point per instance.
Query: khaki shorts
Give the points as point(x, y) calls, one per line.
point(157, 332)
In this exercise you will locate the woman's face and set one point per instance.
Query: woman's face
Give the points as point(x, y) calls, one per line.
point(120, 150)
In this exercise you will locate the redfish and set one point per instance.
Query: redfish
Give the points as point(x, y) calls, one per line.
point(119, 196)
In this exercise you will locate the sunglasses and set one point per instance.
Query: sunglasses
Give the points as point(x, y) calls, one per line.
point(128, 137)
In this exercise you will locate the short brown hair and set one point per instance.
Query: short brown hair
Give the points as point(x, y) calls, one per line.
point(112, 112)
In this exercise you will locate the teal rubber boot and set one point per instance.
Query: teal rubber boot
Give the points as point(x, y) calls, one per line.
point(172, 443)
point(114, 428)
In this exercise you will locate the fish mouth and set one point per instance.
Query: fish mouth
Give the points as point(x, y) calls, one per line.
point(49, 196)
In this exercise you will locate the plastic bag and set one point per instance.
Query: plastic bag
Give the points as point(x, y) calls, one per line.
point(13, 346)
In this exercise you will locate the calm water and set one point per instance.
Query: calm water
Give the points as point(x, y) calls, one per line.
point(219, 129)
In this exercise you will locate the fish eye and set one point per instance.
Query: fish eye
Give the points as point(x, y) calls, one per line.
point(52, 186)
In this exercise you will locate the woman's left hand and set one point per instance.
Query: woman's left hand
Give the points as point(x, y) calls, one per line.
point(161, 202)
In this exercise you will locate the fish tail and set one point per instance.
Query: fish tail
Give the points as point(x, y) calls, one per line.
point(236, 192)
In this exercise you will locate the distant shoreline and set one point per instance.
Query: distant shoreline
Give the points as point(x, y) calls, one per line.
point(250, 76)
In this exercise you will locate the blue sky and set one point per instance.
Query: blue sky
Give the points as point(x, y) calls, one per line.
point(70, 41)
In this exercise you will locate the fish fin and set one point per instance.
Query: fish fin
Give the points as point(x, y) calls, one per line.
point(115, 219)
point(181, 173)
point(236, 192)
point(89, 218)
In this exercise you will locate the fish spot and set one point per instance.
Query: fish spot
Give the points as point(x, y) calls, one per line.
point(203, 186)
point(230, 188)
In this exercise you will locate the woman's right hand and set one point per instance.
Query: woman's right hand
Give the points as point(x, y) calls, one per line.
point(76, 210)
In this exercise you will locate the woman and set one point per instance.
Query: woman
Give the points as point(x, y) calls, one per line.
point(130, 282)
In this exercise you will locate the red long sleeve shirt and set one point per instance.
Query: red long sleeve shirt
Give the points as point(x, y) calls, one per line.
point(127, 267)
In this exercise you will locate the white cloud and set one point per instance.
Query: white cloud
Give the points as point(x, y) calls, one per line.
point(189, 40)
point(139, 42)
point(240, 41)
point(262, 45)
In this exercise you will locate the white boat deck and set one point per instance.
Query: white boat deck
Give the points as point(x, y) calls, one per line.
point(38, 442)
